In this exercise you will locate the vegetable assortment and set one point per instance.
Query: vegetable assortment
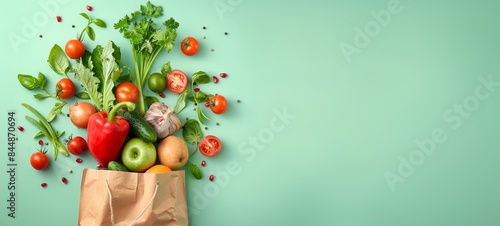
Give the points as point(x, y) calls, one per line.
point(113, 106)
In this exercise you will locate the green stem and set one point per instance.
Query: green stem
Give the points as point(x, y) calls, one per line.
point(129, 105)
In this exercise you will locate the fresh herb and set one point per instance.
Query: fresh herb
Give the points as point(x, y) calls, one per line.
point(147, 39)
point(181, 101)
point(195, 170)
point(58, 61)
point(192, 132)
point(99, 76)
point(33, 83)
point(88, 29)
point(44, 126)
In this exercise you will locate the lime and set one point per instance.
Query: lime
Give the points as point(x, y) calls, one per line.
point(156, 82)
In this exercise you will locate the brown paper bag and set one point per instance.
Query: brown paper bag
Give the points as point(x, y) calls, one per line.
point(125, 198)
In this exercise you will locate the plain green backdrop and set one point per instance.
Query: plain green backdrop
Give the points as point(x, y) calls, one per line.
point(352, 112)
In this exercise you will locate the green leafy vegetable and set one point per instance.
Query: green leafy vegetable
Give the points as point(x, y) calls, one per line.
point(195, 170)
point(88, 29)
point(58, 60)
point(192, 132)
point(181, 101)
point(147, 40)
point(200, 77)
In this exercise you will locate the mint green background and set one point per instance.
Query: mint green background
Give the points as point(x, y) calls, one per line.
point(352, 121)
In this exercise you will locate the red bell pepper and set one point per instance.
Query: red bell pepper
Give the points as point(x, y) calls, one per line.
point(106, 134)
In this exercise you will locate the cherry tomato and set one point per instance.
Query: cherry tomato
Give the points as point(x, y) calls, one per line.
point(39, 160)
point(65, 88)
point(74, 49)
point(189, 46)
point(177, 81)
point(218, 104)
point(210, 146)
point(127, 91)
point(77, 145)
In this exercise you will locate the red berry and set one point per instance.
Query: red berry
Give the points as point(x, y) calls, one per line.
point(40, 142)
point(79, 160)
point(162, 95)
point(207, 104)
point(196, 89)
point(89, 8)
point(20, 128)
point(216, 80)
point(58, 18)
point(211, 178)
point(64, 180)
point(223, 75)
point(203, 163)
point(44, 185)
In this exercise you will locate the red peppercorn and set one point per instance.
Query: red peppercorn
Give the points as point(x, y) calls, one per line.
point(64, 180)
point(89, 8)
point(162, 95)
point(79, 160)
point(216, 80)
point(58, 18)
point(196, 89)
point(44, 185)
point(211, 177)
point(20, 128)
point(223, 75)
point(203, 163)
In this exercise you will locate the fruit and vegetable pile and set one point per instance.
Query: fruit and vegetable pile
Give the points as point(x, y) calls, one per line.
point(127, 127)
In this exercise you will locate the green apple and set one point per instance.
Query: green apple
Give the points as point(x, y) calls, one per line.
point(138, 155)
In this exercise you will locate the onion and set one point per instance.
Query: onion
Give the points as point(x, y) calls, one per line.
point(80, 112)
point(163, 119)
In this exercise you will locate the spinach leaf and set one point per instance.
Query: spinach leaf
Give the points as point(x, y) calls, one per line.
point(192, 132)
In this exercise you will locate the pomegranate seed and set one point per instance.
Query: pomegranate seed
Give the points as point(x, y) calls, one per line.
point(58, 18)
point(64, 180)
point(89, 8)
point(162, 95)
point(20, 128)
point(196, 89)
point(216, 80)
point(40, 142)
point(223, 75)
point(207, 104)
point(203, 163)
point(211, 178)
point(44, 185)
point(79, 160)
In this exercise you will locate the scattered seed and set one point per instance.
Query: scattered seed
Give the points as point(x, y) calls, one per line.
point(162, 95)
point(225, 33)
point(212, 50)
point(238, 101)
point(64, 180)
point(67, 115)
point(223, 75)
point(79, 160)
point(46, 143)
point(194, 109)
point(217, 124)
point(44, 185)
point(89, 8)
point(70, 171)
point(211, 178)
point(216, 80)
point(207, 104)
point(203, 163)
point(206, 128)
point(204, 27)
point(195, 104)
point(196, 89)
point(20, 128)
point(58, 18)
point(204, 37)
point(187, 118)
point(194, 83)
point(40, 142)
point(41, 36)
point(73, 26)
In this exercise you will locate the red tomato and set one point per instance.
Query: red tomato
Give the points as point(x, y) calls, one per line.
point(65, 88)
point(210, 146)
point(127, 91)
point(39, 160)
point(218, 104)
point(189, 46)
point(74, 49)
point(177, 81)
point(77, 145)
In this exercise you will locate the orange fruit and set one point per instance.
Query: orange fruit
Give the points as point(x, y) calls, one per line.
point(159, 169)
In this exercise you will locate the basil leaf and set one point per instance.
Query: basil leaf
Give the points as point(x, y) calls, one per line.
point(57, 109)
point(40, 96)
point(99, 22)
point(181, 101)
point(201, 115)
point(90, 32)
point(195, 170)
point(191, 98)
point(192, 132)
point(200, 96)
point(42, 81)
point(124, 78)
point(166, 69)
point(200, 77)
point(28, 81)
point(83, 95)
point(85, 16)
point(58, 61)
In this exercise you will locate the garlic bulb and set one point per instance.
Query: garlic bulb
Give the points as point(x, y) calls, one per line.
point(163, 119)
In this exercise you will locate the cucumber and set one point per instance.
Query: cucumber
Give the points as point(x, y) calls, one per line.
point(116, 166)
point(139, 127)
